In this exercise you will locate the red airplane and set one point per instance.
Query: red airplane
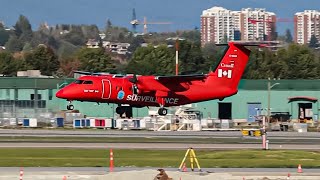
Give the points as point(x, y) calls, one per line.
point(162, 91)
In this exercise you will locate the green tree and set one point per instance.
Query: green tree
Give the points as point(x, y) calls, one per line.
point(13, 44)
point(4, 36)
point(67, 66)
point(152, 61)
point(40, 37)
point(27, 47)
point(141, 62)
point(136, 42)
point(90, 32)
point(7, 67)
point(190, 58)
point(313, 42)
point(75, 36)
point(108, 25)
point(193, 36)
point(66, 50)
point(288, 36)
point(94, 60)
point(23, 29)
point(212, 55)
point(44, 59)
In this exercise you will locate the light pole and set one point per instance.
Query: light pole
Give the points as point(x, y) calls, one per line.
point(269, 97)
point(264, 136)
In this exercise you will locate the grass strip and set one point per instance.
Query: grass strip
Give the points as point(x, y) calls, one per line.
point(47, 157)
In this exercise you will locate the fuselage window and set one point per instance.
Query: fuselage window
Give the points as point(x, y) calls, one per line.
point(87, 82)
point(78, 81)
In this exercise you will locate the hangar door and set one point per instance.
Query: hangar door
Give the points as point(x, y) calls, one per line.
point(225, 110)
point(254, 109)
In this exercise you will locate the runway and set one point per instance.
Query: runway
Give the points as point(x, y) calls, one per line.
point(169, 134)
point(159, 146)
point(140, 173)
point(101, 170)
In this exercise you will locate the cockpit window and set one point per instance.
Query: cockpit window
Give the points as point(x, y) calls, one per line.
point(87, 82)
point(78, 81)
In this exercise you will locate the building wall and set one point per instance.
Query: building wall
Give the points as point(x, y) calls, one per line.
point(306, 24)
point(278, 103)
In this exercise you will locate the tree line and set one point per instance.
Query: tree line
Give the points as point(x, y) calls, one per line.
point(57, 51)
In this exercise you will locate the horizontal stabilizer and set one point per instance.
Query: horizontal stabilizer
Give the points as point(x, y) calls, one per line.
point(91, 73)
point(247, 43)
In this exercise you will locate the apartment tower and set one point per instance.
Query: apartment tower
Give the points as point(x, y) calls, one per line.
point(219, 25)
point(306, 24)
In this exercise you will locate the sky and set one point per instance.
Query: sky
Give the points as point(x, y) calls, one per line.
point(183, 14)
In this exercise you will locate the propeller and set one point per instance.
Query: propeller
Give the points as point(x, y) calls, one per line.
point(134, 80)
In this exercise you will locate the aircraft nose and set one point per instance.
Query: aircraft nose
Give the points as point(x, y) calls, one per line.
point(60, 94)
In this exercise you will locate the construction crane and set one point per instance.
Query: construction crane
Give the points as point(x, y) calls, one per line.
point(134, 22)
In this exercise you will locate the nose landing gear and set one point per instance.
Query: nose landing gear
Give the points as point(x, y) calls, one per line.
point(70, 106)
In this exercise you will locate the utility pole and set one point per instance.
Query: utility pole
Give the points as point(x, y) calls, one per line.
point(264, 136)
point(269, 95)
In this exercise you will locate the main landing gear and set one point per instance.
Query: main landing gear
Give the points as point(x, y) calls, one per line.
point(70, 106)
point(162, 111)
point(124, 111)
point(120, 110)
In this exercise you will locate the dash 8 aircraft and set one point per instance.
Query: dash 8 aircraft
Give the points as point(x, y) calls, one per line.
point(162, 91)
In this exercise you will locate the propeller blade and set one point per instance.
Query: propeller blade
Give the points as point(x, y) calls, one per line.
point(134, 79)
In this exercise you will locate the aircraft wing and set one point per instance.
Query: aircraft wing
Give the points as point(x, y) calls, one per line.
point(181, 78)
point(90, 73)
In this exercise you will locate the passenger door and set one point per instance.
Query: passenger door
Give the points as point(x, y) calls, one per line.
point(106, 89)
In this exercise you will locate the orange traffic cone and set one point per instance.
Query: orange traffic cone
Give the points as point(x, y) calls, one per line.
point(288, 177)
point(184, 168)
point(111, 161)
point(299, 169)
point(21, 173)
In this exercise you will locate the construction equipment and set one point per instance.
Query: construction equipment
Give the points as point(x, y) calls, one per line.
point(193, 159)
point(134, 22)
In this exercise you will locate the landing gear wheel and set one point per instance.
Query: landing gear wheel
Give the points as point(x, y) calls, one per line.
point(70, 107)
point(120, 110)
point(162, 111)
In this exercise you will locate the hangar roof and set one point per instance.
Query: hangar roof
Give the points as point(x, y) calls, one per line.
point(285, 85)
point(32, 83)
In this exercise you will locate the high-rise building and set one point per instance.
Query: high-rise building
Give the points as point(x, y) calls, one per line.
point(306, 24)
point(219, 25)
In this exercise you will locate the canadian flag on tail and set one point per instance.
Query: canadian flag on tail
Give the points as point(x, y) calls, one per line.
point(224, 73)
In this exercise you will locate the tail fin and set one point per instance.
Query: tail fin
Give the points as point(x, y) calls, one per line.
point(232, 65)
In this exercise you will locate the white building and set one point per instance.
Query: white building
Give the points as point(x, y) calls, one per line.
point(219, 25)
point(306, 24)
